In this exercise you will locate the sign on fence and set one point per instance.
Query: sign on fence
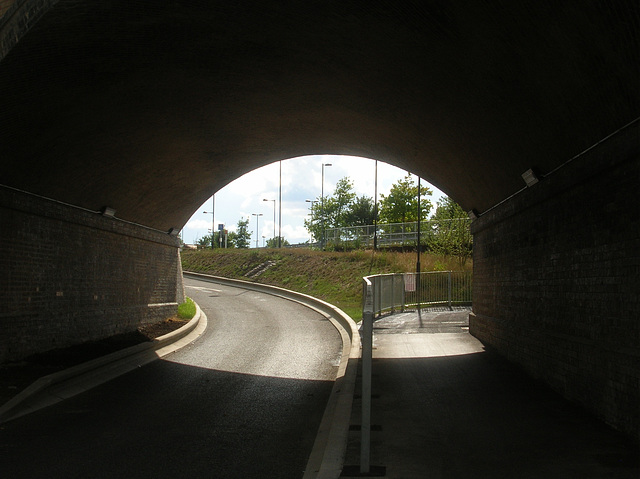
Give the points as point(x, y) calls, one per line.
point(409, 282)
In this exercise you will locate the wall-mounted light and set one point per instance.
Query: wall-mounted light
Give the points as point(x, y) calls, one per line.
point(107, 211)
point(530, 177)
point(174, 231)
point(473, 214)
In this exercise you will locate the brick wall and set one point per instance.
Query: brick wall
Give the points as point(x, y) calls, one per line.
point(71, 275)
point(557, 280)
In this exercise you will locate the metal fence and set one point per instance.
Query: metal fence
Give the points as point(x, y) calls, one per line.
point(388, 293)
point(394, 234)
point(397, 291)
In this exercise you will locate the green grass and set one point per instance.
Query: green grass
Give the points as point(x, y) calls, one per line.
point(187, 310)
point(334, 277)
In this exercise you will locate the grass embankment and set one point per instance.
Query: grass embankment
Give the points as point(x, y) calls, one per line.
point(330, 276)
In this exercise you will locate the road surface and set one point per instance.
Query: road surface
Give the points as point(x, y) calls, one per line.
point(244, 400)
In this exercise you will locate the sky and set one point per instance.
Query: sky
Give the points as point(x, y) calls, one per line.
point(301, 180)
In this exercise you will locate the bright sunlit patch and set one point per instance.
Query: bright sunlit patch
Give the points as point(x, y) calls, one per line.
point(301, 180)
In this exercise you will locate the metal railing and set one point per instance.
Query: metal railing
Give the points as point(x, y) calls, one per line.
point(397, 291)
point(390, 292)
point(395, 234)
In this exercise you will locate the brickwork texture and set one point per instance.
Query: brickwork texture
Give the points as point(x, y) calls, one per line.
point(557, 280)
point(71, 275)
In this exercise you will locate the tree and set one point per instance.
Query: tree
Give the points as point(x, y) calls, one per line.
point(337, 206)
point(451, 231)
point(401, 204)
point(273, 242)
point(204, 242)
point(362, 212)
point(336, 209)
point(242, 237)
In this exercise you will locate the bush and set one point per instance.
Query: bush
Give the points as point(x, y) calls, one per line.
point(187, 310)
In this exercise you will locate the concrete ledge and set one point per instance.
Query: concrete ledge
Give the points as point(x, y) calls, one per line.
point(55, 387)
point(328, 453)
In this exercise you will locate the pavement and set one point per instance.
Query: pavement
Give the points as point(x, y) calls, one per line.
point(445, 406)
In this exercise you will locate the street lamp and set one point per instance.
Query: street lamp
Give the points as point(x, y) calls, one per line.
point(257, 215)
point(213, 218)
point(274, 220)
point(280, 209)
point(311, 211)
point(322, 205)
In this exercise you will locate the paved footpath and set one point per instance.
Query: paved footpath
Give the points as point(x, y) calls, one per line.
point(445, 407)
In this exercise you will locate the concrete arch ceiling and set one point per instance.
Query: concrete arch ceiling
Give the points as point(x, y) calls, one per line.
point(148, 107)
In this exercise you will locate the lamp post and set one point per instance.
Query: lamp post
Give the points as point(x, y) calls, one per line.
point(375, 211)
point(257, 215)
point(311, 211)
point(418, 248)
point(280, 209)
point(322, 205)
point(213, 218)
point(274, 220)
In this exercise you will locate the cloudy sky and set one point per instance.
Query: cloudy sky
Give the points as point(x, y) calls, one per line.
point(301, 180)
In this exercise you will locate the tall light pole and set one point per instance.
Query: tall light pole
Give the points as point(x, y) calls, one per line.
point(375, 211)
point(280, 209)
point(418, 248)
point(213, 218)
point(274, 220)
point(257, 215)
point(311, 210)
point(322, 206)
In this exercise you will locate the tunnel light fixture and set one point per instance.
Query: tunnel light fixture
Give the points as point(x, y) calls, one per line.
point(473, 214)
point(530, 177)
point(108, 211)
point(173, 231)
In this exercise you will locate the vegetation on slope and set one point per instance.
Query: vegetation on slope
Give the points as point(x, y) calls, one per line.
point(331, 276)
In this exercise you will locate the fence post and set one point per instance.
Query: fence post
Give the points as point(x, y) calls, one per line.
point(367, 352)
point(449, 291)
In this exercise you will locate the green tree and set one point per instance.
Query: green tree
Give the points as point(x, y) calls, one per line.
point(451, 234)
point(273, 242)
point(361, 212)
point(338, 205)
point(401, 204)
point(336, 209)
point(204, 242)
point(242, 237)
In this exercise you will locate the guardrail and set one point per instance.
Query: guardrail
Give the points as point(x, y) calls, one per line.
point(390, 292)
point(397, 291)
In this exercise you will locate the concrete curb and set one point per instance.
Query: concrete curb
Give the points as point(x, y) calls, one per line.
point(58, 386)
point(328, 453)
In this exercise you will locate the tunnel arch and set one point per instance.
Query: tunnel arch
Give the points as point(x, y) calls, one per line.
point(147, 108)
point(468, 97)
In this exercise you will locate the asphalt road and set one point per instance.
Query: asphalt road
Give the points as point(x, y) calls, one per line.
point(244, 400)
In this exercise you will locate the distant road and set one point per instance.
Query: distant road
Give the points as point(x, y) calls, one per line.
point(243, 401)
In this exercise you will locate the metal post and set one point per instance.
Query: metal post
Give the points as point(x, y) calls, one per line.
point(375, 211)
point(449, 291)
point(280, 209)
point(418, 248)
point(213, 219)
point(324, 238)
point(367, 351)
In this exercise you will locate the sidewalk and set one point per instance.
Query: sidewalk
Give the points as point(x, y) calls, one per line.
point(445, 407)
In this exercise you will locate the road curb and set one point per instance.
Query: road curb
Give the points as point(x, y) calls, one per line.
point(64, 384)
point(328, 453)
